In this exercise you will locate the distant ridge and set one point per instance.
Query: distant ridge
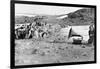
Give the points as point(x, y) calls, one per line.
point(79, 17)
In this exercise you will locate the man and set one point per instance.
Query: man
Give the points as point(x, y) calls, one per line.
point(21, 33)
point(91, 34)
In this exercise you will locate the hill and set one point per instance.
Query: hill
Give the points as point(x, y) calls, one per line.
point(79, 17)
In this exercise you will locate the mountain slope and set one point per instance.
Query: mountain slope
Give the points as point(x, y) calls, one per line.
point(79, 17)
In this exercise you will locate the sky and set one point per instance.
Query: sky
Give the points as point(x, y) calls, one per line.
point(43, 9)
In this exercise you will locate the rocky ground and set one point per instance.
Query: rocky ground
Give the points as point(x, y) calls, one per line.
point(32, 51)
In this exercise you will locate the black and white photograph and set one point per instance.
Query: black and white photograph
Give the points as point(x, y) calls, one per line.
point(50, 34)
